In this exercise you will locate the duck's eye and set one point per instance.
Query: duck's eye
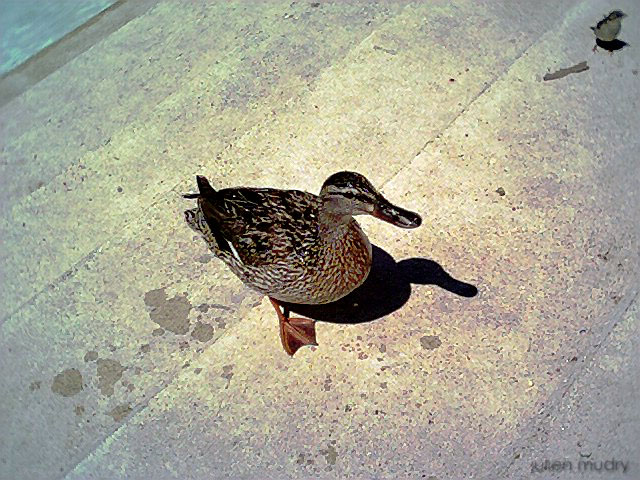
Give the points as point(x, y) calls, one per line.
point(349, 195)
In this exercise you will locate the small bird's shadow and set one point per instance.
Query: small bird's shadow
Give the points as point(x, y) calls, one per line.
point(386, 289)
point(612, 45)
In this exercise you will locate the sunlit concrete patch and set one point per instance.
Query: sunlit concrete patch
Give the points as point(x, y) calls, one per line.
point(374, 111)
point(287, 413)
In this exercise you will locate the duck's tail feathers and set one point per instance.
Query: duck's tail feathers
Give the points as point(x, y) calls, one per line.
point(204, 186)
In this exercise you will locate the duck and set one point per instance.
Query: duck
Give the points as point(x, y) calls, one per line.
point(607, 29)
point(294, 246)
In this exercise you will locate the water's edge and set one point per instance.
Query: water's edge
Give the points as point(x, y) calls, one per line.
point(51, 58)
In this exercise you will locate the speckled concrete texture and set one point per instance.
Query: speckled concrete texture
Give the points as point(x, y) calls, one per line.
point(594, 431)
point(128, 351)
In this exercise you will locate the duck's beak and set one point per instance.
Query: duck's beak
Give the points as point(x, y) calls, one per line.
point(397, 216)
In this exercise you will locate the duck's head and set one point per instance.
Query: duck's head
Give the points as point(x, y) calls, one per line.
point(349, 193)
point(617, 14)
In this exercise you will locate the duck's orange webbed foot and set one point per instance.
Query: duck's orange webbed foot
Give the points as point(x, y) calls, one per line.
point(294, 332)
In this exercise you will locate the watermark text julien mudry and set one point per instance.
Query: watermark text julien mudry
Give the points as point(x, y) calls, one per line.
point(581, 466)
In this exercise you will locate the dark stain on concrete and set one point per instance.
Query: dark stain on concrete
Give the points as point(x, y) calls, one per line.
point(169, 313)
point(146, 348)
point(158, 332)
point(203, 307)
point(563, 72)
point(67, 383)
point(109, 372)
point(220, 321)
point(330, 455)
point(389, 51)
point(120, 412)
point(302, 460)
point(79, 410)
point(327, 383)
point(202, 332)
point(35, 385)
point(430, 342)
point(90, 356)
point(227, 372)
point(204, 258)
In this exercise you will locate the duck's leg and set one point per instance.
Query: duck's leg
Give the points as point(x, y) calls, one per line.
point(294, 332)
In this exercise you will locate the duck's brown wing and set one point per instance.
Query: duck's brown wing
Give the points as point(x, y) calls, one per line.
point(261, 225)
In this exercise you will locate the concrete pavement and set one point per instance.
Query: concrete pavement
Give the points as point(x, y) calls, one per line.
point(129, 352)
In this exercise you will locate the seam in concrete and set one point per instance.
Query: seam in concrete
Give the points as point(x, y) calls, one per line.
point(473, 100)
point(105, 439)
point(52, 285)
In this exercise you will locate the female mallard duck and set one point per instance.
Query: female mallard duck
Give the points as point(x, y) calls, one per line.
point(294, 246)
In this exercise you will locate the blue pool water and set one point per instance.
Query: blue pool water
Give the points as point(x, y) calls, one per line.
point(28, 26)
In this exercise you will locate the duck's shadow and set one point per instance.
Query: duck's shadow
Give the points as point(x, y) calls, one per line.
point(612, 45)
point(387, 288)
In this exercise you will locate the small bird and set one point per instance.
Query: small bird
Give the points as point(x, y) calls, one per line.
point(294, 246)
point(608, 28)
